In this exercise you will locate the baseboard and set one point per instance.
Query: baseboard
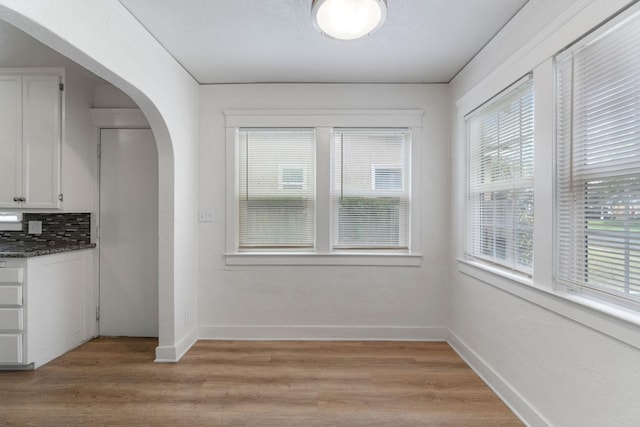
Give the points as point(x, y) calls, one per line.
point(323, 333)
point(173, 353)
point(518, 404)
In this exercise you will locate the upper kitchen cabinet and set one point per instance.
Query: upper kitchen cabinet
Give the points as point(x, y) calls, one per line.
point(30, 138)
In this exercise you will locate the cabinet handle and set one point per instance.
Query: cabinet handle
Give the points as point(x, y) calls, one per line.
point(23, 199)
point(17, 199)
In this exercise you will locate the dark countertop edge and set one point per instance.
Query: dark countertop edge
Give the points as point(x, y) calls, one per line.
point(45, 251)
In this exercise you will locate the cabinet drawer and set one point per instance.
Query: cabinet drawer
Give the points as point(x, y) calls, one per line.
point(11, 275)
point(10, 295)
point(11, 318)
point(10, 348)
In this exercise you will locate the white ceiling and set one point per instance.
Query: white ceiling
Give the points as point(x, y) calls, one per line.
point(246, 41)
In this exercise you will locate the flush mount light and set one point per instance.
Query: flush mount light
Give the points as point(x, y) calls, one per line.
point(348, 19)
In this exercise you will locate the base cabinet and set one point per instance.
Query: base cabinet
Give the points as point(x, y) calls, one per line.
point(11, 348)
point(12, 313)
point(46, 307)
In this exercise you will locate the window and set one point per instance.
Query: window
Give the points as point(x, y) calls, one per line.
point(276, 201)
point(500, 180)
point(387, 177)
point(292, 177)
point(598, 172)
point(370, 210)
point(323, 187)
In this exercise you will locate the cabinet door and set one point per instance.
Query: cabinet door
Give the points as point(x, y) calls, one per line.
point(10, 348)
point(10, 140)
point(41, 134)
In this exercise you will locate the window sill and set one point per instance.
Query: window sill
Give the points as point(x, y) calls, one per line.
point(618, 323)
point(312, 259)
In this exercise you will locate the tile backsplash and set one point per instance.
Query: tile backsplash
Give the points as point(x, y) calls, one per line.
point(56, 228)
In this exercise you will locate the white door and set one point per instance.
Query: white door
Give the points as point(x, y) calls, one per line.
point(128, 233)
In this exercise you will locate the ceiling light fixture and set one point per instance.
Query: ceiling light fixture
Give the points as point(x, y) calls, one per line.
point(348, 19)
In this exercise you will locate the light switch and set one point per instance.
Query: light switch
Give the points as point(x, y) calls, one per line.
point(205, 215)
point(35, 227)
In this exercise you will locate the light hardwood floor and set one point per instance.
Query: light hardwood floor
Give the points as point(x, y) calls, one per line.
point(114, 381)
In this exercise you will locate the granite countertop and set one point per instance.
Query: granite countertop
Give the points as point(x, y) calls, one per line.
point(30, 249)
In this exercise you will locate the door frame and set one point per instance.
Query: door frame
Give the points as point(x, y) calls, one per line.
point(108, 118)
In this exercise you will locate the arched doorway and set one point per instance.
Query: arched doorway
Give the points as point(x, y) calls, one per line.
point(98, 36)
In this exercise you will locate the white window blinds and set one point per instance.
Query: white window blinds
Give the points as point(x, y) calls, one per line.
point(276, 188)
point(499, 224)
point(598, 172)
point(370, 188)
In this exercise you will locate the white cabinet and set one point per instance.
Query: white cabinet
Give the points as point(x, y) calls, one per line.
point(10, 140)
point(30, 136)
point(11, 314)
point(47, 307)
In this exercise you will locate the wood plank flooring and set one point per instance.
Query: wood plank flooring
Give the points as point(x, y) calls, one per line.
point(114, 381)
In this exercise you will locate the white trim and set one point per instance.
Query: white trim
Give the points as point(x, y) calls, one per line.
point(618, 323)
point(35, 71)
point(173, 353)
point(323, 333)
point(546, 43)
point(601, 31)
point(118, 118)
point(300, 259)
point(507, 393)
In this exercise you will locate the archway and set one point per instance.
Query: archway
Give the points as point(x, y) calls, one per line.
point(105, 39)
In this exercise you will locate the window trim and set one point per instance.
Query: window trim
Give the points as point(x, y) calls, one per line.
point(523, 182)
point(591, 296)
point(323, 121)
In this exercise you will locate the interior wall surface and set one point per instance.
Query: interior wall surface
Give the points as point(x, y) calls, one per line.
point(103, 37)
point(553, 361)
point(79, 168)
point(324, 302)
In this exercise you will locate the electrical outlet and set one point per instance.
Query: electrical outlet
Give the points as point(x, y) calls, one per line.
point(35, 227)
point(209, 216)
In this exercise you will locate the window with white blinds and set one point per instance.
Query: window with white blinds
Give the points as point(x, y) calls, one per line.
point(598, 163)
point(276, 188)
point(370, 188)
point(499, 223)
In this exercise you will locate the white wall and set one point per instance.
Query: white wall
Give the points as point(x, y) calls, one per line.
point(109, 96)
point(325, 302)
point(79, 156)
point(104, 38)
point(552, 359)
